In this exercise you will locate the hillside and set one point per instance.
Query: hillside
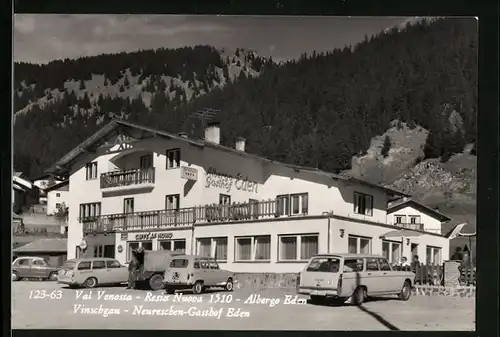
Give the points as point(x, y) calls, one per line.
point(320, 110)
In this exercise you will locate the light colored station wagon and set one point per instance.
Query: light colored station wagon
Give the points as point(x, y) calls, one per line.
point(91, 272)
point(197, 273)
point(354, 276)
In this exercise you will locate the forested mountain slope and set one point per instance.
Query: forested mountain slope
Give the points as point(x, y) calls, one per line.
point(320, 110)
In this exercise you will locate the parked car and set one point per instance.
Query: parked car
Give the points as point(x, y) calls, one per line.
point(197, 273)
point(355, 276)
point(155, 262)
point(92, 272)
point(33, 267)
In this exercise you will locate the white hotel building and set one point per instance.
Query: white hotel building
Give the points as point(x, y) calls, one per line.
point(133, 186)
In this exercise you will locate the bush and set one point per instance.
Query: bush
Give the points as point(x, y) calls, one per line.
point(386, 147)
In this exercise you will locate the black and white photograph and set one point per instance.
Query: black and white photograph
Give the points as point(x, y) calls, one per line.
point(223, 172)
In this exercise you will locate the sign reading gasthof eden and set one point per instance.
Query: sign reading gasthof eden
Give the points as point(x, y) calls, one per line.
point(189, 173)
point(226, 181)
point(153, 235)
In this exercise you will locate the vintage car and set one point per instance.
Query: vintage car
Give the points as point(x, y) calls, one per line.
point(354, 276)
point(91, 272)
point(33, 267)
point(197, 273)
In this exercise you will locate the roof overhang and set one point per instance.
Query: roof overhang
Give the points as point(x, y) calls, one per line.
point(401, 233)
point(22, 182)
point(419, 206)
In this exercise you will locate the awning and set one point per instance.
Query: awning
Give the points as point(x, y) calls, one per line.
point(398, 233)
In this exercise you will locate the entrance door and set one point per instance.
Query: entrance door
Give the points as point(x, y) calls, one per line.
point(146, 162)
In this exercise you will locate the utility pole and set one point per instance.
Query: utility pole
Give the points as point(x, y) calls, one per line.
point(204, 115)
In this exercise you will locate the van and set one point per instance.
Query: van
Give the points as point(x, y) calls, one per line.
point(196, 273)
point(355, 276)
point(91, 272)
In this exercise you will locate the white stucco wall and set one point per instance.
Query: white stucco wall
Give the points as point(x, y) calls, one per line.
point(431, 224)
point(56, 197)
point(270, 180)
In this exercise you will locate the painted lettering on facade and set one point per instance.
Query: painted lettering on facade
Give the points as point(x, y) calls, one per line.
point(226, 181)
point(153, 235)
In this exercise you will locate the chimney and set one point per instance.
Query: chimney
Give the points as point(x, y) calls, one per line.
point(240, 144)
point(212, 133)
point(183, 134)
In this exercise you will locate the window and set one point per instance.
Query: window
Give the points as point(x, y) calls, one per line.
point(91, 170)
point(173, 158)
point(371, 264)
point(213, 247)
point(113, 264)
point(433, 255)
point(212, 264)
point(58, 195)
point(204, 247)
point(363, 204)
point(172, 202)
point(359, 245)
point(90, 210)
point(297, 247)
point(384, 265)
point(146, 245)
point(292, 204)
point(39, 263)
point(109, 251)
point(324, 265)
point(146, 162)
point(177, 246)
point(58, 205)
point(85, 265)
point(253, 248)
point(179, 263)
point(128, 205)
point(414, 219)
point(391, 251)
point(224, 199)
point(165, 245)
point(99, 265)
point(353, 265)
point(23, 262)
point(399, 219)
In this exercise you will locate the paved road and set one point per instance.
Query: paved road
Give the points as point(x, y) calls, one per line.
point(64, 311)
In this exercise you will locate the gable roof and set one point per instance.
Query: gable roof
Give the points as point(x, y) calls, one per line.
point(58, 185)
point(117, 126)
point(404, 202)
point(57, 245)
point(22, 182)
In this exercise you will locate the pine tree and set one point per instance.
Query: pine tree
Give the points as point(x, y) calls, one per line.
point(82, 85)
point(386, 147)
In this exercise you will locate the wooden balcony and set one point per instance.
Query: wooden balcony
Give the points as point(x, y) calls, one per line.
point(184, 217)
point(127, 178)
point(414, 226)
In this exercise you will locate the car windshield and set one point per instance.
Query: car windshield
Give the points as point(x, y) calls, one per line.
point(69, 265)
point(179, 263)
point(324, 264)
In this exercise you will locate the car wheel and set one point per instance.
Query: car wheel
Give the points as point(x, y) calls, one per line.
point(53, 276)
point(317, 299)
point(155, 282)
point(229, 285)
point(359, 296)
point(198, 288)
point(15, 276)
point(405, 293)
point(91, 282)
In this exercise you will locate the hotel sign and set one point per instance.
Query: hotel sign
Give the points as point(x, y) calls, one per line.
point(189, 173)
point(153, 235)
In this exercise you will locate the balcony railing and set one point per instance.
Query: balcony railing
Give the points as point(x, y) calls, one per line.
point(183, 217)
point(414, 226)
point(127, 177)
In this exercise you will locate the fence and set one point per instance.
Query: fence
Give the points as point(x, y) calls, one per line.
point(434, 274)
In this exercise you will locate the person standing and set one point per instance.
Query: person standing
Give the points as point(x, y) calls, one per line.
point(133, 266)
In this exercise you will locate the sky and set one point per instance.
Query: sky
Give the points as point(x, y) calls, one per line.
point(40, 38)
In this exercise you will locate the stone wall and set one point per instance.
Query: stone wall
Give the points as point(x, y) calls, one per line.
point(260, 281)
